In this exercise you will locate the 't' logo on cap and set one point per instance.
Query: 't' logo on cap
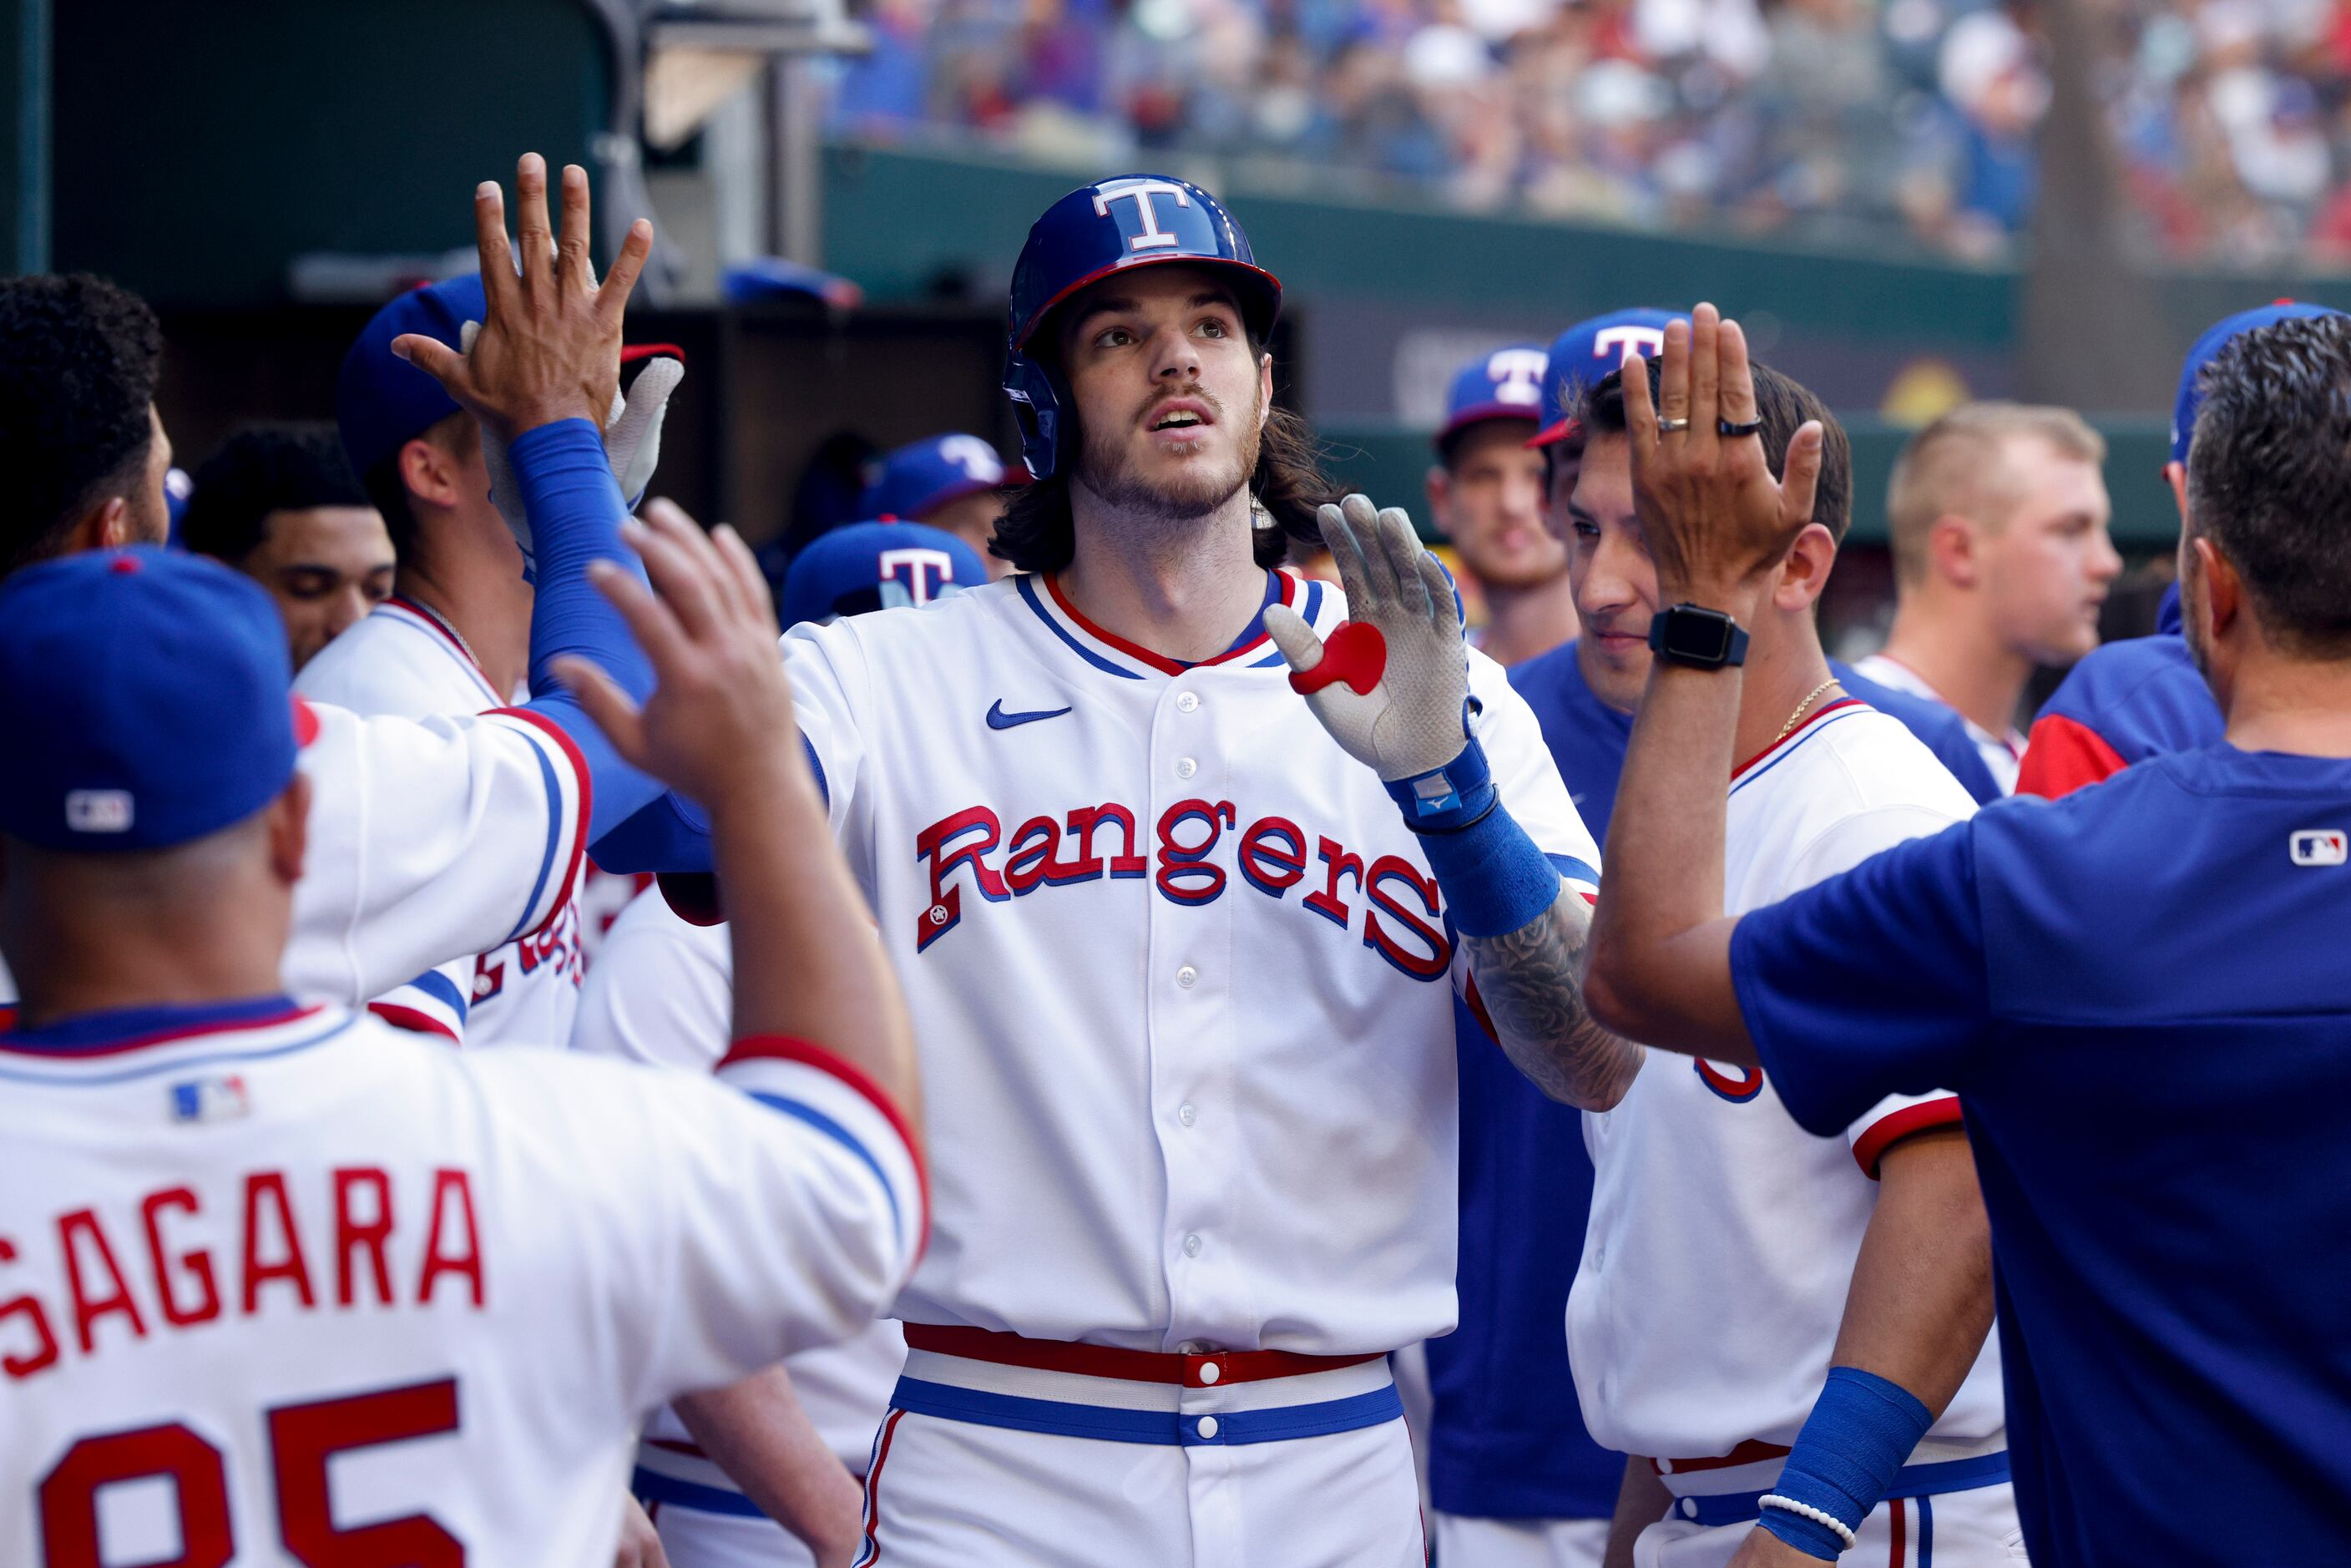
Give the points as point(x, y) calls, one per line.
point(2320, 846)
point(99, 811)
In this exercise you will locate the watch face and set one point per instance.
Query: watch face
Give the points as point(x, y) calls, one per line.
point(1697, 637)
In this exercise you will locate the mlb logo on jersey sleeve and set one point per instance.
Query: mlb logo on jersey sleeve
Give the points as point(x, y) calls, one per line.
point(2319, 846)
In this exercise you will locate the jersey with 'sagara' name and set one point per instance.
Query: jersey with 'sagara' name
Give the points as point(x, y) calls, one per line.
point(1180, 976)
point(1723, 1236)
point(285, 1280)
point(403, 661)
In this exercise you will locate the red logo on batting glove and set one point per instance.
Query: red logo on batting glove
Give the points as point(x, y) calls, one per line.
point(1355, 653)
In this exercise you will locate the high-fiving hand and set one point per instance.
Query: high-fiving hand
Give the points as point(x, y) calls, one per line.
point(1392, 684)
point(550, 348)
point(1714, 518)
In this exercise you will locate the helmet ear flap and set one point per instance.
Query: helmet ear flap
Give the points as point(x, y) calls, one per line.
point(1039, 397)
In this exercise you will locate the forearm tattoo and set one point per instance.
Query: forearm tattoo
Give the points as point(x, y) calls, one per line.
point(1530, 980)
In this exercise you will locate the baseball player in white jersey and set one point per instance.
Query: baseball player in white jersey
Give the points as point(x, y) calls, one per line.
point(431, 840)
point(663, 992)
point(1757, 1307)
point(277, 1279)
point(1178, 964)
point(406, 661)
point(461, 600)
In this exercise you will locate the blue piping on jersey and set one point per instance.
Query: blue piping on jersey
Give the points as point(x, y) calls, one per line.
point(177, 1063)
point(554, 820)
point(1028, 592)
point(845, 1137)
point(1818, 725)
point(441, 989)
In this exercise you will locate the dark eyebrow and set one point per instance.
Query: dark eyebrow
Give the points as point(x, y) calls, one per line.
point(1106, 305)
point(1114, 304)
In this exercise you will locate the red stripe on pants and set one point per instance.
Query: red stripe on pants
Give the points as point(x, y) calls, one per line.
point(872, 1552)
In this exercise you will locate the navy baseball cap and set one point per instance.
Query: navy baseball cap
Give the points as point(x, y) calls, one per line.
point(876, 566)
point(921, 476)
point(1505, 385)
point(1586, 352)
point(157, 683)
point(382, 402)
point(2208, 348)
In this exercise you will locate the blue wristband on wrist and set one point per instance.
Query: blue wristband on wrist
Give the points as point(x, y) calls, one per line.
point(1494, 879)
point(1861, 1432)
point(1448, 799)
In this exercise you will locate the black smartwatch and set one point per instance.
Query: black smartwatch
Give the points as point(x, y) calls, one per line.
point(1701, 638)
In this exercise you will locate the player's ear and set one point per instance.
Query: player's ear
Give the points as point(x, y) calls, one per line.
point(2176, 475)
point(1440, 490)
point(1951, 549)
point(1264, 389)
point(1806, 571)
point(106, 525)
point(2225, 592)
point(428, 471)
point(289, 829)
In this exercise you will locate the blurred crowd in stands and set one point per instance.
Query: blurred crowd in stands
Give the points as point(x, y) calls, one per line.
point(1818, 120)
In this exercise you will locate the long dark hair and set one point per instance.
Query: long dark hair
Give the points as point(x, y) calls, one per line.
point(1036, 532)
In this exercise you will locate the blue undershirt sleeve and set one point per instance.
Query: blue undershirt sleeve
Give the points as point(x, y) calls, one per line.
point(575, 510)
point(1871, 983)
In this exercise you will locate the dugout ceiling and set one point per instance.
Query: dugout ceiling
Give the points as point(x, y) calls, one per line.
point(197, 148)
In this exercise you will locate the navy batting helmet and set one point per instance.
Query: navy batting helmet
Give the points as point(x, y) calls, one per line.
point(1133, 220)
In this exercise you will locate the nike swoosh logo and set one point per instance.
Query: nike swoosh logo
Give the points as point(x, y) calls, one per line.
point(999, 719)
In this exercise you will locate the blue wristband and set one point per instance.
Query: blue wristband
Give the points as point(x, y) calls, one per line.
point(1448, 799)
point(1861, 1432)
point(1494, 879)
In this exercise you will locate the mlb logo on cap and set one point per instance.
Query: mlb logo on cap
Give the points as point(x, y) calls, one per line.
point(99, 811)
point(2320, 846)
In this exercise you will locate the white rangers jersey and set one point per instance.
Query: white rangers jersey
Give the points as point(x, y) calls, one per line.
point(404, 661)
point(1723, 1236)
point(2002, 754)
point(426, 840)
point(662, 991)
point(1178, 973)
point(286, 1285)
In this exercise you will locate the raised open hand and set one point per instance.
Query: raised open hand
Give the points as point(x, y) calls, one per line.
point(1714, 518)
point(550, 348)
point(1391, 684)
point(720, 723)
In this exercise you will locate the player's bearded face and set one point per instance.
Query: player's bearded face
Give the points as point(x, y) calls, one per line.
point(1120, 464)
point(1170, 395)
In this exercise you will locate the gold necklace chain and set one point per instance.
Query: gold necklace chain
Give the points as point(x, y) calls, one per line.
point(1810, 697)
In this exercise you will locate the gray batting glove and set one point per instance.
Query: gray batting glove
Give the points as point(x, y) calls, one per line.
point(1391, 684)
point(631, 445)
